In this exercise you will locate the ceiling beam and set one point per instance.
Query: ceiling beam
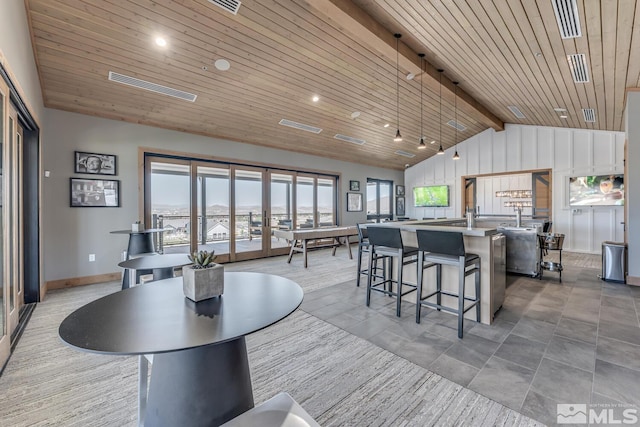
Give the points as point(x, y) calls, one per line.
point(355, 21)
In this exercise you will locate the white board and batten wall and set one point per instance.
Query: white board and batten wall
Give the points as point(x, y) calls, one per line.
point(567, 152)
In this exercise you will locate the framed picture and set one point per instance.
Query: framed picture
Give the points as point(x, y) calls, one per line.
point(354, 185)
point(94, 193)
point(354, 202)
point(400, 190)
point(399, 206)
point(93, 163)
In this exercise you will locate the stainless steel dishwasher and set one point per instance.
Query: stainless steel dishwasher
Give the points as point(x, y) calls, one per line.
point(499, 282)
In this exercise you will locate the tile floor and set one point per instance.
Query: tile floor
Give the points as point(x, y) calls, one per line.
point(572, 342)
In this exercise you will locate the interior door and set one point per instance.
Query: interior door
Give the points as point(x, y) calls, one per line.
point(470, 200)
point(12, 256)
point(5, 344)
point(541, 197)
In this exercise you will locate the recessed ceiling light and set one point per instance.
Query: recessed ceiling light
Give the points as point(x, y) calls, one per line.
point(563, 116)
point(355, 114)
point(386, 125)
point(433, 142)
point(160, 41)
point(315, 98)
point(410, 76)
point(222, 64)
point(538, 54)
point(560, 109)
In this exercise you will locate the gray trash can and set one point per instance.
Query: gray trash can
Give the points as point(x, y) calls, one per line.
point(614, 262)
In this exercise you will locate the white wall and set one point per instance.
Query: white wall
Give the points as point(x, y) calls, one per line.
point(567, 152)
point(73, 233)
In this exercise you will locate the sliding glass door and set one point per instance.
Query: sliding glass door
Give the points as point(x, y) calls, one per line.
point(234, 209)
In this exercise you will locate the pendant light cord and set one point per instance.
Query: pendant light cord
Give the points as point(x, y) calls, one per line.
point(397, 83)
point(421, 85)
point(440, 71)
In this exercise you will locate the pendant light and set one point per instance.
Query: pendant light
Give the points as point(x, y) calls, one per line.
point(421, 144)
point(398, 137)
point(456, 156)
point(440, 150)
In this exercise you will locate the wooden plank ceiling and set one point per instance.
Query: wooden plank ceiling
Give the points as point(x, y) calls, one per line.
point(283, 52)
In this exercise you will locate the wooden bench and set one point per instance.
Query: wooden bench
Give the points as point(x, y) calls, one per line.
point(315, 238)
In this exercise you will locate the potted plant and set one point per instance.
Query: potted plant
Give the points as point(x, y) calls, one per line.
point(204, 278)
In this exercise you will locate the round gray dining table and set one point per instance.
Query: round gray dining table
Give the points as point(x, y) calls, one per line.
point(200, 373)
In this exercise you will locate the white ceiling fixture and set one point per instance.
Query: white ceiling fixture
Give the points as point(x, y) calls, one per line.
point(457, 125)
point(301, 126)
point(228, 5)
point(349, 139)
point(579, 69)
point(559, 110)
point(315, 98)
point(567, 16)
point(355, 114)
point(161, 41)
point(405, 154)
point(516, 111)
point(153, 87)
point(386, 125)
point(589, 115)
point(410, 76)
point(222, 64)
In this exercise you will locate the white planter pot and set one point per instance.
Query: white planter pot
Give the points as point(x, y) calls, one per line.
point(136, 227)
point(204, 283)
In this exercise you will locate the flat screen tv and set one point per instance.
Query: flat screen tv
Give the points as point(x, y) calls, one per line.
point(596, 190)
point(432, 196)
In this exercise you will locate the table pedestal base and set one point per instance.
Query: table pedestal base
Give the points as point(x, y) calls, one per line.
point(203, 386)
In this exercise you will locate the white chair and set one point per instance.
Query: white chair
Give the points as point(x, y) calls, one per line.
point(279, 411)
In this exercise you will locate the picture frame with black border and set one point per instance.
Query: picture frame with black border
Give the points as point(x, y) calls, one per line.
point(354, 202)
point(400, 211)
point(400, 190)
point(94, 163)
point(354, 185)
point(94, 193)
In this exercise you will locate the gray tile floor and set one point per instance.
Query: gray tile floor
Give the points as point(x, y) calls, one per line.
point(572, 342)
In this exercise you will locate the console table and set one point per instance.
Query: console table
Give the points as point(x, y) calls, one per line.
point(200, 374)
point(140, 242)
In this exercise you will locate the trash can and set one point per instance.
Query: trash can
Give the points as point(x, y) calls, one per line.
point(614, 262)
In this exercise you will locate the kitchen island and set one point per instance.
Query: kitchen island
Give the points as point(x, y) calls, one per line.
point(488, 243)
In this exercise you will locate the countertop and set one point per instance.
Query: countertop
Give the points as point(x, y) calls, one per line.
point(458, 225)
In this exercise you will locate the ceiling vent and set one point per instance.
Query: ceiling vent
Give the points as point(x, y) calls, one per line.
point(405, 154)
point(516, 111)
point(296, 125)
point(349, 139)
point(578, 65)
point(153, 87)
point(589, 115)
point(228, 5)
point(567, 17)
point(457, 125)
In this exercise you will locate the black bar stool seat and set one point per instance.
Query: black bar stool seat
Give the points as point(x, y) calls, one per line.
point(386, 245)
point(438, 248)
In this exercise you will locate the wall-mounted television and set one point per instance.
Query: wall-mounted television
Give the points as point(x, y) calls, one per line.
point(432, 196)
point(596, 190)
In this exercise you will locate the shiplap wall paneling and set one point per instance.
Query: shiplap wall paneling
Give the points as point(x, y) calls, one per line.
point(563, 155)
point(499, 151)
point(582, 151)
point(485, 154)
point(545, 145)
point(529, 146)
point(514, 148)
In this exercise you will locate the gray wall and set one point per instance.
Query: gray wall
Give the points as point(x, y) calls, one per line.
point(71, 234)
point(15, 44)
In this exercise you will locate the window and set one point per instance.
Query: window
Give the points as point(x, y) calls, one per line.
point(379, 200)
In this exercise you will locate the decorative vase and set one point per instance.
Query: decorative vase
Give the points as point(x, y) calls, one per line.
point(203, 283)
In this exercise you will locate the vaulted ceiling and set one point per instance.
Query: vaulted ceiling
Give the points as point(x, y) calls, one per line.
point(283, 52)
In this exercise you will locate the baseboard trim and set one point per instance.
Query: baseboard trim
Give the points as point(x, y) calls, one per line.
point(80, 281)
point(631, 280)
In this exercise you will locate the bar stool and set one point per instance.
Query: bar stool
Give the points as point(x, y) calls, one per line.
point(364, 246)
point(386, 245)
point(443, 247)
